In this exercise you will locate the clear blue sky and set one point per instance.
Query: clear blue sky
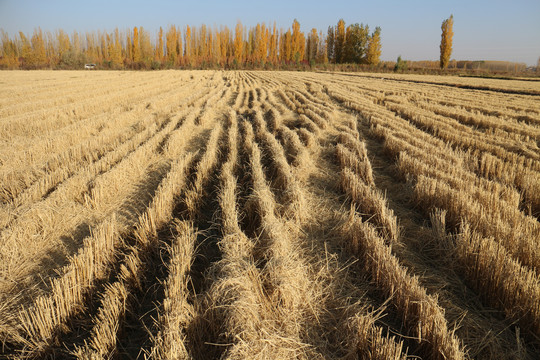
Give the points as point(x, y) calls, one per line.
point(484, 30)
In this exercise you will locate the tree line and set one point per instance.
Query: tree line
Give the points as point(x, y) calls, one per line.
point(259, 46)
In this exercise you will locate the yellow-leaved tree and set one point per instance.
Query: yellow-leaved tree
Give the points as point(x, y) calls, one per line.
point(224, 36)
point(62, 45)
point(145, 46)
point(170, 44)
point(158, 55)
point(136, 52)
point(116, 50)
point(179, 48)
point(287, 45)
point(9, 53)
point(446, 41)
point(374, 47)
point(38, 46)
point(273, 45)
point(238, 43)
point(296, 42)
point(339, 42)
point(188, 49)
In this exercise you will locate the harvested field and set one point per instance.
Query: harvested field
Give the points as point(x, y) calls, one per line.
point(269, 215)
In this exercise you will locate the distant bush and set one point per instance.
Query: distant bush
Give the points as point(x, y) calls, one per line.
point(72, 60)
point(401, 65)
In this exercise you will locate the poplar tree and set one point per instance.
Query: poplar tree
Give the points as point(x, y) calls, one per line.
point(116, 54)
point(258, 44)
point(178, 47)
point(110, 48)
point(129, 48)
point(203, 43)
point(322, 53)
point(104, 48)
point(249, 46)
point(146, 48)
point(26, 49)
point(76, 43)
point(312, 46)
point(374, 47)
point(264, 44)
point(38, 49)
point(330, 45)
point(238, 43)
point(9, 57)
point(224, 45)
point(187, 51)
point(287, 46)
point(302, 50)
point(296, 42)
point(159, 46)
point(91, 52)
point(136, 52)
point(281, 46)
point(63, 45)
point(170, 44)
point(193, 58)
point(51, 54)
point(273, 46)
point(339, 46)
point(356, 42)
point(446, 41)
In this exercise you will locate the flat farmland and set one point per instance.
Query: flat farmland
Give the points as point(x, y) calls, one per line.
point(269, 215)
